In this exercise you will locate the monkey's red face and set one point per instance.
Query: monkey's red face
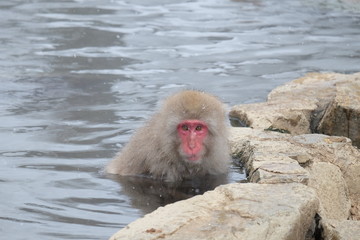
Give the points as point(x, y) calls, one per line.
point(192, 134)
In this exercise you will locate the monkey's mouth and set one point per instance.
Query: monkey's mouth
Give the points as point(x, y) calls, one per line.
point(193, 158)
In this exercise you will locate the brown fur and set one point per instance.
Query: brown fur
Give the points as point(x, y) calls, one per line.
point(154, 148)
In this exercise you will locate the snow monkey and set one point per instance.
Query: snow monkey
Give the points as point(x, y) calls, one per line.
point(187, 137)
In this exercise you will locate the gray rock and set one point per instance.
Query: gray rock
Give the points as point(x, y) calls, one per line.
point(326, 103)
point(342, 230)
point(329, 164)
point(331, 189)
point(233, 211)
point(342, 116)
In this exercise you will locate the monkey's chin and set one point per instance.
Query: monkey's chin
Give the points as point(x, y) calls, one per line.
point(193, 158)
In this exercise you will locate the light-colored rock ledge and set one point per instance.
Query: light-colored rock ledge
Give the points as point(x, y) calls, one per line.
point(303, 185)
point(330, 165)
point(234, 211)
point(327, 103)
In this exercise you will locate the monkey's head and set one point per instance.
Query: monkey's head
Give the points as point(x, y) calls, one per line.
point(195, 121)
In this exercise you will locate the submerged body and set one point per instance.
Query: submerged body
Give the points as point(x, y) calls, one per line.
point(186, 138)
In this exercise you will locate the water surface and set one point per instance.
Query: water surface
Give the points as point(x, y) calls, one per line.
point(77, 77)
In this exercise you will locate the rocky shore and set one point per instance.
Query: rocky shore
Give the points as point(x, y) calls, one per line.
point(300, 150)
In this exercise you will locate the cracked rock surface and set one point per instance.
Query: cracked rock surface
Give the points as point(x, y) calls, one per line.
point(233, 211)
point(329, 164)
point(327, 103)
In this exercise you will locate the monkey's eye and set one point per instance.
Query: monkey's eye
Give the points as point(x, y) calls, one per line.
point(198, 128)
point(185, 127)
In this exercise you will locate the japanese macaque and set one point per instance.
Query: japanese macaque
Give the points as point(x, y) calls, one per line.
point(186, 138)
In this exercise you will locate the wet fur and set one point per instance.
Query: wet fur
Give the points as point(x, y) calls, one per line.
point(154, 148)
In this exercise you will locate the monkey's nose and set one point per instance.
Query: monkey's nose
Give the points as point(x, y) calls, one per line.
point(192, 144)
point(192, 141)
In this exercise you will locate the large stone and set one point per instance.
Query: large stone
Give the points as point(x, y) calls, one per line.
point(268, 156)
point(326, 103)
point(342, 116)
point(329, 164)
point(342, 230)
point(331, 189)
point(234, 211)
point(339, 152)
